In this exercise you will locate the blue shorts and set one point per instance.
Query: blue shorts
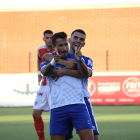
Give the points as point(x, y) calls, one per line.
point(91, 114)
point(70, 130)
point(61, 118)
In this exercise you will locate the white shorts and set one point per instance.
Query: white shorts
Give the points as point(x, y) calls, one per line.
point(42, 101)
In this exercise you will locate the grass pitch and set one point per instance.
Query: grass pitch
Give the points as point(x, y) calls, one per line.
point(114, 123)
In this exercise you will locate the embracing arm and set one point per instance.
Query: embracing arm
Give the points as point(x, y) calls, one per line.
point(46, 69)
point(82, 68)
point(47, 57)
point(70, 64)
point(59, 72)
point(76, 73)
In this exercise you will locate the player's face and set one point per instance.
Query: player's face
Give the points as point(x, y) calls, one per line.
point(62, 47)
point(48, 39)
point(76, 40)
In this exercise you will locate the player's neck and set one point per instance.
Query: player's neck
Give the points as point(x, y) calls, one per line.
point(71, 51)
point(48, 48)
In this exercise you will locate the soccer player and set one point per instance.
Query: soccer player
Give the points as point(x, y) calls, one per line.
point(78, 37)
point(67, 102)
point(42, 99)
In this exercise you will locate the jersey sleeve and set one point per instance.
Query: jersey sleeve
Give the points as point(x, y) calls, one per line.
point(43, 64)
point(88, 62)
point(38, 55)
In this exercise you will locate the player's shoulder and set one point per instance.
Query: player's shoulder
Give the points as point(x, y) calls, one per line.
point(42, 47)
point(52, 50)
point(86, 58)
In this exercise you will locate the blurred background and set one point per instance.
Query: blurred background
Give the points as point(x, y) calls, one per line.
point(112, 28)
point(112, 42)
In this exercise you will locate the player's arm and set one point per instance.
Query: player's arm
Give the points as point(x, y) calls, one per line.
point(82, 68)
point(47, 67)
point(70, 64)
point(59, 72)
point(39, 71)
point(47, 57)
point(73, 73)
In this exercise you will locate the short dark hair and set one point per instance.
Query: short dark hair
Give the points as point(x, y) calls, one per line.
point(61, 35)
point(47, 32)
point(78, 30)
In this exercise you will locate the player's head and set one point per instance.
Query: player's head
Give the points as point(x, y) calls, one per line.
point(77, 39)
point(59, 41)
point(48, 37)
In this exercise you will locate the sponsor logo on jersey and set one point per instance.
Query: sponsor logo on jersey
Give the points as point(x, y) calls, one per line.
point(91, 87)
point(26, 88)
point(131, 87)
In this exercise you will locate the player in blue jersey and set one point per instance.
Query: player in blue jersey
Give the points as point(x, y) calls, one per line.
point(67, 102)
point(78, 37)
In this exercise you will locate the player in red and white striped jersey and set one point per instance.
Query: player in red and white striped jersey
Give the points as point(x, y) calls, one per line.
point(42, 99)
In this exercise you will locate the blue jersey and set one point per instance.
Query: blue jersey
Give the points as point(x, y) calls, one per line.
point(89, 64)
point(66, 90)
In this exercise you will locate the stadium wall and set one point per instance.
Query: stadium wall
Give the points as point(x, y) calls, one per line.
point(112, 41)
point(104, 88)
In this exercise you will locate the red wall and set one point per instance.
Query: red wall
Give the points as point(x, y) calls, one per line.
point(116, 30)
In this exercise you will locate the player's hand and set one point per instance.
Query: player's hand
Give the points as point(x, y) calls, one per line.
point(39, 79)
point(57, 57)
point(59, 72)
point(71, 64)
point(78, 53)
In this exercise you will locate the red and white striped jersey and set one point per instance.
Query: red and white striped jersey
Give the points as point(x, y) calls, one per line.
point(40, 52)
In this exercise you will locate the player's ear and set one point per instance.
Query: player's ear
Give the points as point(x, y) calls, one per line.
point(43, 39)
point(83, 45)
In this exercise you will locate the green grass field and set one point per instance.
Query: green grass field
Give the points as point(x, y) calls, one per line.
point(114, 123)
